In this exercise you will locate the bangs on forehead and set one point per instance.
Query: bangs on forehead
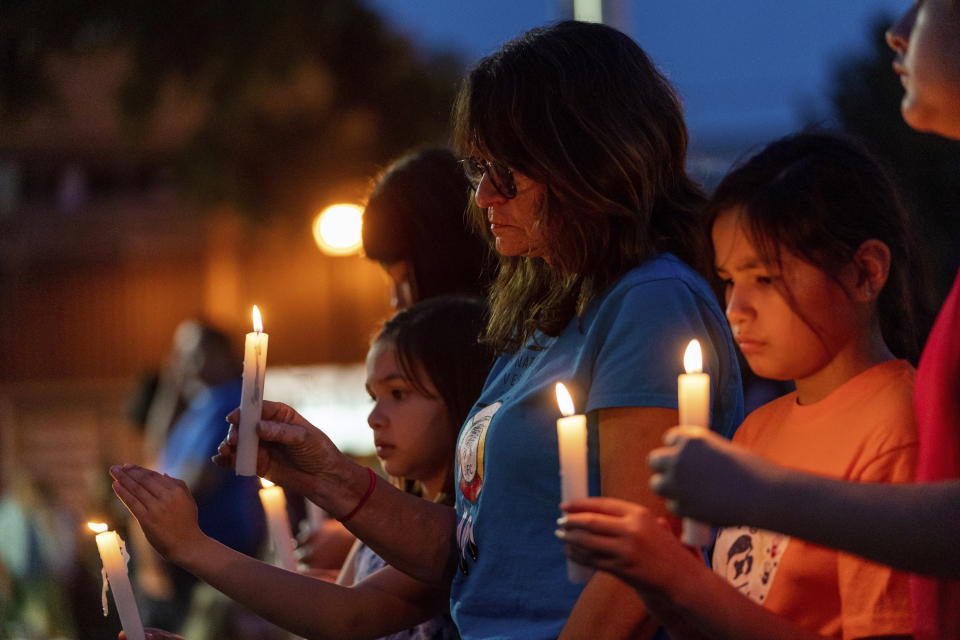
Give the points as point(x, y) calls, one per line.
point(410, 369)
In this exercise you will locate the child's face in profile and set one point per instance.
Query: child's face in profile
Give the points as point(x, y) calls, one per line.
point(781, 339)
point(927, 41)
point(410, 430)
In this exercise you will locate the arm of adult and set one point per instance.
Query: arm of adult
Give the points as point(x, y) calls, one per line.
point(414, 535)
point(386, 602)
point(630, 542)
point(627, 435)
point(910, 527)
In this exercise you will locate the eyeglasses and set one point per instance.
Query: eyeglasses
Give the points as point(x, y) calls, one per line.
point(500, 175)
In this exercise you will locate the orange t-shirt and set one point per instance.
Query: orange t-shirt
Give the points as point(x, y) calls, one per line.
point(864, 431)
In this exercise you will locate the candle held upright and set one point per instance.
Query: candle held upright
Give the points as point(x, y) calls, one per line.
point(110, 545)
point(572, 442)
point(251, 399)
point(693, 396)
point(275, 506)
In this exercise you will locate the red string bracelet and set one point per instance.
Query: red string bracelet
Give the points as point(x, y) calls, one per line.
point(363, 500)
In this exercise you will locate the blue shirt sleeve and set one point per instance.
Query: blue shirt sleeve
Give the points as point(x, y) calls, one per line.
point(641, 338)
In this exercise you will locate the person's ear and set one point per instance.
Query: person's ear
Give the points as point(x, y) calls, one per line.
point(871, 264)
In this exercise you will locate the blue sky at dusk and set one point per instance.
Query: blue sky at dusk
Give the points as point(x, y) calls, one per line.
point(745, 68)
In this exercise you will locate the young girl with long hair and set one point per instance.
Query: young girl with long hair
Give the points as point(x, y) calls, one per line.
point(424, 370)
point(912, 527)
point(811, 242)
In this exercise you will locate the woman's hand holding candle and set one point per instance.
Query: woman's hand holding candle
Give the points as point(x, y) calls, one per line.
point(294, 454)
point(163, 506)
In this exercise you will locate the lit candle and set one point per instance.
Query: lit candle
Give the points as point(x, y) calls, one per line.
point(693, 390)
point(572, 441)
point(114, 558)
point(275, 505)
point(251, 399)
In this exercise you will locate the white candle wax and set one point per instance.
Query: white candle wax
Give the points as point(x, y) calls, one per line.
point(251, 398)
point(572, 442)
point(315, 517)
point(275, 505)
point(693, 396)
point(572, 438)
point(115, 564)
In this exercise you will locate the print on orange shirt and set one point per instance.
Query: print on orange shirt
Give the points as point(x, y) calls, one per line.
point(748, 559)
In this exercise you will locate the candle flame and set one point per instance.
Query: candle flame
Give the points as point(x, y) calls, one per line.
point(257, 320)
point(266, 484)
point(693, 357)
point(97, 527)
point(564, 400)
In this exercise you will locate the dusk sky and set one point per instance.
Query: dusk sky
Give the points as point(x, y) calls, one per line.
point(744, 67)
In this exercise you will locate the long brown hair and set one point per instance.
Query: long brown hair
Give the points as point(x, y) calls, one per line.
point(580, 108)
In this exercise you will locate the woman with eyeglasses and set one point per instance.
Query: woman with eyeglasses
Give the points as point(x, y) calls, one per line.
point(575, 146)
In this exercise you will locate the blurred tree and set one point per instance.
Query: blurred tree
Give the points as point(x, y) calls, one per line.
point(296, 96)
point(865, 98)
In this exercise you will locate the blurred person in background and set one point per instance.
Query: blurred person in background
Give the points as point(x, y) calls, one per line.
point(37, 561)
point(208, 372)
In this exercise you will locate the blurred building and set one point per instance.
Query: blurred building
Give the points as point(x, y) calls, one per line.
point(101, 256)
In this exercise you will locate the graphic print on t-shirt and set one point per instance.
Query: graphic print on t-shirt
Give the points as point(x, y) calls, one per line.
point(748, 559)
point(470, 465)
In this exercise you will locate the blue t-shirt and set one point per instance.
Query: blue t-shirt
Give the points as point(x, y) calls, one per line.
point(627, 351)
point(228, 507)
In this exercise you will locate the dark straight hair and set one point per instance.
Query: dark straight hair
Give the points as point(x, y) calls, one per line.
point(437, 343)
point(819, 197)
point(580, 108)
point(417, 212)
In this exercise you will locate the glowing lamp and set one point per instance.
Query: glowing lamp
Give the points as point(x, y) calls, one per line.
point(337, 229)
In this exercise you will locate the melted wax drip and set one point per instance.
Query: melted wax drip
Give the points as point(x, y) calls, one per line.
point(103, 594)
point(106, 581)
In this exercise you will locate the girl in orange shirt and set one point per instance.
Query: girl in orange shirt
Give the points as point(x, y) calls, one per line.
point(811, 243)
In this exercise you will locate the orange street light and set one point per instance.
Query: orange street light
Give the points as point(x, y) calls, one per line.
point(337, 229)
